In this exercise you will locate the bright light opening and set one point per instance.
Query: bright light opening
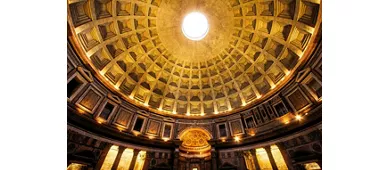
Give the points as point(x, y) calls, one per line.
point(195, 26)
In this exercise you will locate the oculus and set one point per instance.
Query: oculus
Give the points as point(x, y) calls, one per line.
point(195, 26)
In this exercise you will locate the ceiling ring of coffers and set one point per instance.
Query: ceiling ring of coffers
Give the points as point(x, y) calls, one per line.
point(258, 46)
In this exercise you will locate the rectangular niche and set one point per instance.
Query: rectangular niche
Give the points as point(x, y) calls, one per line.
point(236, 127)
point(298, 100)
point(280, 108)
point(318, 64)
point(270, 112)
point(123, 118)
point(250, 122)
point(153, 127)
point(106, 111)
point(263, 115)
point(313, 85)
point(75, 83)
point(255, 112)
point(222, 130)
point(167, 131)
point(90, 100)
point(138, 124)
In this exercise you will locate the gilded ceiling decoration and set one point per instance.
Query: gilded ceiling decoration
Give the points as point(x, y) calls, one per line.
point(195, 138)
point(137, 48)
point(195, 143)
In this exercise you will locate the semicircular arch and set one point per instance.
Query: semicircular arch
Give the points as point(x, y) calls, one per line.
point(192, 128)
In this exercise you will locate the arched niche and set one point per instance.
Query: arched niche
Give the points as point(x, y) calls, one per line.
point(195, 143)
point(187, 129)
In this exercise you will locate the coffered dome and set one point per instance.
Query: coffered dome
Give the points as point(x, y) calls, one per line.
point(137, 49)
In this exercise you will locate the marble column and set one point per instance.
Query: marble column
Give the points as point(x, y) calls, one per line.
point(241, 160)
point(284, 153)
point(271, 158)
point(176, 155)
point(214, 158)
point(118, 158)
point(254, 157)
point(176, 159)
point(148, 158)
point(103, 156)
point(134, 159)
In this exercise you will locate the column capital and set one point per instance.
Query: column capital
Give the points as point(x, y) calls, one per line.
point(177, 142)
point(136, 151)
point(280, 145)
point(239, 153)
point(121, 148)
point(149, 154)
point(252, 151)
